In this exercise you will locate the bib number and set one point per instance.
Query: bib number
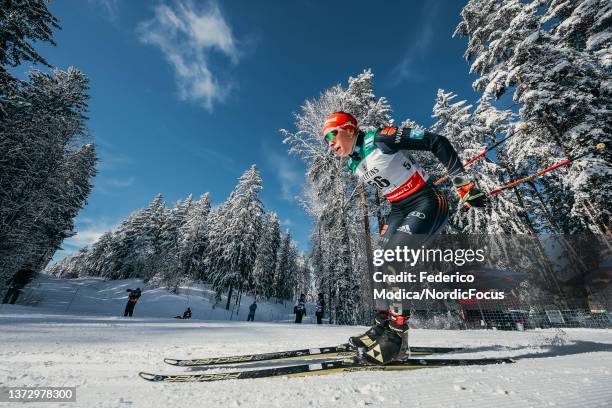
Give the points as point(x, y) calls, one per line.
point(379, 182)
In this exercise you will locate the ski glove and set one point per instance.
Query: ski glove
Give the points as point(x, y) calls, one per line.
point(470, 195)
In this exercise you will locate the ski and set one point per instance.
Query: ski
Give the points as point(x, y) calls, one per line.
point(342, 351)
point(323, 368)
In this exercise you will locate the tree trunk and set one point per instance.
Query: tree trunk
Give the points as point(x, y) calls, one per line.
point(368, 240)
point(229, 297)
point(379, 216)
point(549, 274)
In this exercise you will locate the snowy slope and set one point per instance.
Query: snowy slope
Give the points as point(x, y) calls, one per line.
point(95, 296)
point(102, 355)
point(75, 337)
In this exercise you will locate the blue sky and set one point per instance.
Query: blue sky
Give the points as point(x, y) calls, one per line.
point(185, 96)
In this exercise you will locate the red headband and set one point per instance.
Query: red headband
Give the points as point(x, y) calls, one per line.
point(339, 120)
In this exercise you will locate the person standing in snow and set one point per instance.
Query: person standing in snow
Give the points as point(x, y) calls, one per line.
point(320, 311)
point(418, 210)
point(133, 296)
point(300, 308)
point(252, 308)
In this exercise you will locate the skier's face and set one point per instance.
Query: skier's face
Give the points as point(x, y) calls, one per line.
point(342, 141)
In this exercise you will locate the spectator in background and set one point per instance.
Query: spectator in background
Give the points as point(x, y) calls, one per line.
point(252, 308)
point(133, 296)
point(186, 314)
point(300, 309)
point(320, 308)
point(19, 281)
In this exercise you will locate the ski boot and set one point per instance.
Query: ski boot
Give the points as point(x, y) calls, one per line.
point(368, 338)
point(391, 346)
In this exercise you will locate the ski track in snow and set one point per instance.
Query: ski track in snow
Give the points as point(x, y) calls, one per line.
point(90, 347)
point(102, 355)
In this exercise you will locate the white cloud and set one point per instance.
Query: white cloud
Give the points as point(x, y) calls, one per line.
point(88, 232)
point(120, 183)
point(187, 35)
point(107, 185)
point(110, 161)
point(407, 69)
point(110, 7)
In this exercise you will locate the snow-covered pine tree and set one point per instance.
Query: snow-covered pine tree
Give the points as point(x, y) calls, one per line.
point(507, 212)
point(193, 239)
point(565, 94)
point(319, 261)
point(135, 247)
point(495, 28)
point(267, 253)
point(470, 132)
point(303, 275)
point(65, 195)
point(37, 140)
point(540, 49)
point(330, 191)
point(236, 243)
point(72, 266)
point(452, 121)
point(283, 288)
point(99, 260)
point(69, 193)
point(213, 260)
point(21, 24)
point(166, 245)
point(553, 55)
point(293, 274)
point(168, 264)
point(585, 25)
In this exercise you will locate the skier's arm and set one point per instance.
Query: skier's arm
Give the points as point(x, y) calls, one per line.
point(392, 139)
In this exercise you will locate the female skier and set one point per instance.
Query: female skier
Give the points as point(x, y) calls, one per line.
point(418, 210)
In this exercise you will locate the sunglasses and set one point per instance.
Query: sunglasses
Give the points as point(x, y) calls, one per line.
point(330, 136)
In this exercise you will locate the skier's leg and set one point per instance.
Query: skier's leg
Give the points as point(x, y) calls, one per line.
point(381, 306)
point(127, 309)
point(424, 216)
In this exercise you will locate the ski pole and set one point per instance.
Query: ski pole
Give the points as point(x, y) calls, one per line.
point(480, 155)
point(598, 147)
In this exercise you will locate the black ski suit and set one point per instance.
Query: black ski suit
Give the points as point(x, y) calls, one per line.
point(320, 310)
point(133, 297)
point(418, 209)
point(300, 310)
point(251, 316)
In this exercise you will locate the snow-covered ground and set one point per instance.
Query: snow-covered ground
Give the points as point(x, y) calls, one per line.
point(102, 354)
point(95, 296)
